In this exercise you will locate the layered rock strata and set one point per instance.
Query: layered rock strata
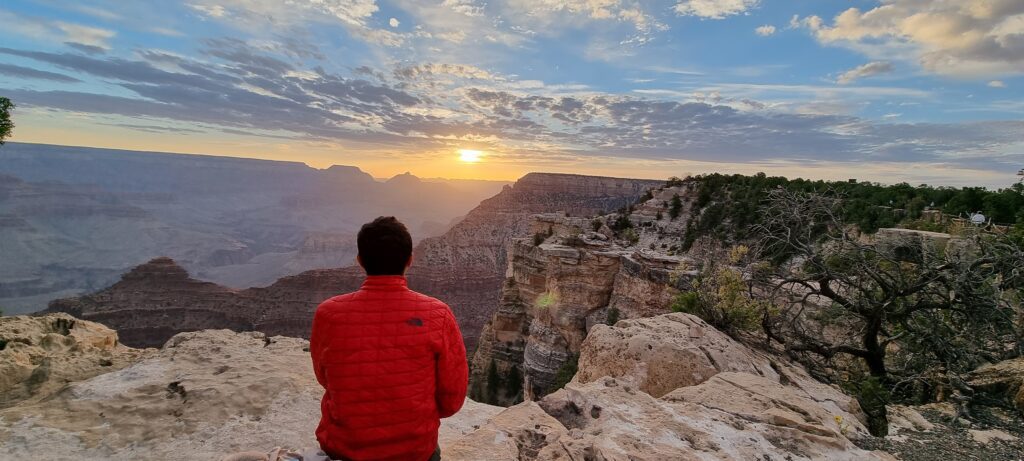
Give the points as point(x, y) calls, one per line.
point(560, 284)
point(465, 268)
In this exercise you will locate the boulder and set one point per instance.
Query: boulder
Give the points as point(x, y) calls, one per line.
point(518, 433)
point(733, 416)
point(1005, 378)
point(660, 354)
point(40, 355)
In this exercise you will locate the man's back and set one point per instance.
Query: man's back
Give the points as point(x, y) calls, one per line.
point(392, 363)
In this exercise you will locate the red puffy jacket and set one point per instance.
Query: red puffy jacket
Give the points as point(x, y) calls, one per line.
point(392, 363)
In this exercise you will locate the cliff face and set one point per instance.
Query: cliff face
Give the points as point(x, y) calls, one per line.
point(465, 268)
point(573, 274)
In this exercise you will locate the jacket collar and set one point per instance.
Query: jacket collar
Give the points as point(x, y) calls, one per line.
point(384, 282)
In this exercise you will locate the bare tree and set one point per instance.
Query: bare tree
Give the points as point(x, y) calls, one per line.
point(913, 308)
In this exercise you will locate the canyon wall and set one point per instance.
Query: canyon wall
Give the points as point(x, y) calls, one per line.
point(573, 274)
point(464, 267)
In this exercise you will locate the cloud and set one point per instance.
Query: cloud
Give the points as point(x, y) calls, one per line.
point(260, 13)
point(997, 84)
point(87, 49)
point(765, 30)
point(558, 12)
point(249, 88)
point(393, 22)
point(714, 9)
point(865, 70)
point(464, 7)
point(89, 38)
point(97, 12)
point(25, 72)
point(213, 11)
point(964, 38)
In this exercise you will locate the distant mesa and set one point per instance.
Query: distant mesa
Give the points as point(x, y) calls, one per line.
point(404, 178)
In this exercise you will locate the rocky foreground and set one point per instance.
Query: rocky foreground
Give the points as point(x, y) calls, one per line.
point(663, 388)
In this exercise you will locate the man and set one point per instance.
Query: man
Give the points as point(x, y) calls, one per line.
point(391, 360)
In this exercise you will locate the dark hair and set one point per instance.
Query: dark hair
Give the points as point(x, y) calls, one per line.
point(385, 246)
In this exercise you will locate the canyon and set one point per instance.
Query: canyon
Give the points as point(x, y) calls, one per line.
point(464, 267)
point(73, 219)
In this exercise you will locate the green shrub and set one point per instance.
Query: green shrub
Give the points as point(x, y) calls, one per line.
point(675, 207)
point(721, 297)
point(613, 316)
point(565, 372)
point(631, 236)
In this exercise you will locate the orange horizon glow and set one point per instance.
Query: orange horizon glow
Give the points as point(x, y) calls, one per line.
point(48, 128)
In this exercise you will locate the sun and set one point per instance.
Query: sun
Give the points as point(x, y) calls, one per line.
point(469, 155)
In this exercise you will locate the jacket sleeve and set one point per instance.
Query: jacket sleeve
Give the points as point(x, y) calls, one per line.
point(452, 370)
point(316, 344)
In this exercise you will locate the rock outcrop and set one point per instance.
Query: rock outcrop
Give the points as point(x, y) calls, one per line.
point(204, 394)
point(210, 393)
point(1005, 378)
point(40, 355)
point(572, 274)
point(673, 387)
point(465, 268)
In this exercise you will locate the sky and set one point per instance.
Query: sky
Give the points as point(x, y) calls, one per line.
point(917, 91)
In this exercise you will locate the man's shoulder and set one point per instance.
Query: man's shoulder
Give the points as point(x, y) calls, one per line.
point(428, 300)
point(328, 303)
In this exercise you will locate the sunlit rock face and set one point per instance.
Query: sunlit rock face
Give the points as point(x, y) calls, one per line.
point(673, 387)
point(40, 355)
point(464, 267)
point(557, 290)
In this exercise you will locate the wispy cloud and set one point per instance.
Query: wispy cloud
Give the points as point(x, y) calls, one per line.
point(765, 30)
point(26, 72)
point(714, 9)
point(863, 71)
point(89, 37)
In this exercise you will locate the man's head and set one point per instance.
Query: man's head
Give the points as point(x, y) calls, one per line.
point(385, 247)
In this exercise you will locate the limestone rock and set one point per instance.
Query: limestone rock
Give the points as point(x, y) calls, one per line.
point(520, 432)
point(204, 394)
point(40, 355)
point(660, 354)
point(765, 400)
point(986, 437)
point(613, 420)
point(903, 419)
point(1003, 378)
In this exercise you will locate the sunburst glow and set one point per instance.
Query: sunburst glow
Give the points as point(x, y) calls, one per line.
point(469, 155)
